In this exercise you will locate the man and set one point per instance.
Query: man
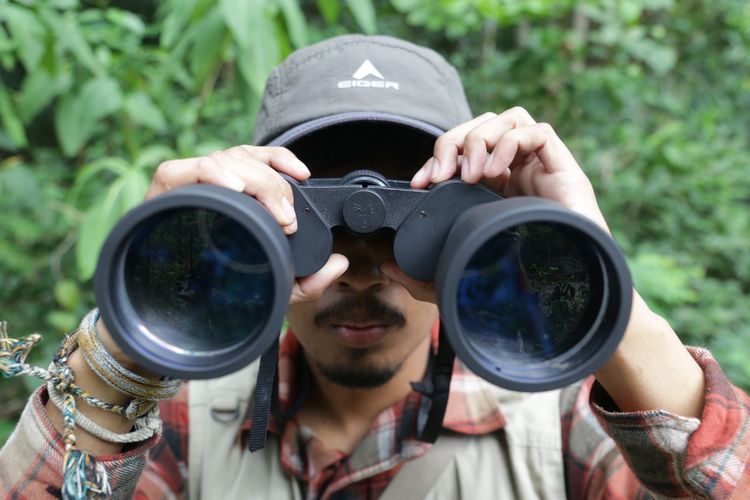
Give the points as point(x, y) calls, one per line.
point(659, 417)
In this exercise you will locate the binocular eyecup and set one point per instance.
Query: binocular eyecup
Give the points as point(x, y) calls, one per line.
point(196, 283)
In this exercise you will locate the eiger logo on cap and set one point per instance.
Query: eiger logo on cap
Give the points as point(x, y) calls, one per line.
point(367, 69)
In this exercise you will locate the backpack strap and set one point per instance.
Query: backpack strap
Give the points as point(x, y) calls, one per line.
point(223, 401)
point(416, 477)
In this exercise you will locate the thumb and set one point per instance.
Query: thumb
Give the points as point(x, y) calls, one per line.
point(420, 290)
point(312, 287)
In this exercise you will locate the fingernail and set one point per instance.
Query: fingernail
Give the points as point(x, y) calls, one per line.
point(301, 166)
point(419, 176)
point(435, 170)
point(288, 210)
point(291, 228)
point(233, 181)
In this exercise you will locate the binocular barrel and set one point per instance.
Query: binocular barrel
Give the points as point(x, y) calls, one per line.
point(196, 282)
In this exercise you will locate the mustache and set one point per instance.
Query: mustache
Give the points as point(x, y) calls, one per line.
point(366, 308)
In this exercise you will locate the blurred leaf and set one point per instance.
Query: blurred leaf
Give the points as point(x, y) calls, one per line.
point(126, 20)
point(63, 321)
point(662, 281)
point(364, 13)
point(295, 22)
point(254, 31)
point(38, 89)
point(77, 115)
point(208, 45)
point(122, 195)
point(68, 34)
point(21, 228)
point(149, 158)
point(660, 58)
point(28, 34)
point(16, 259)
point(67, 294)
point(11, 121)
point(239, 15)
point(116, 166)
point(330, 10)
point(142, 110)
point(177, 17)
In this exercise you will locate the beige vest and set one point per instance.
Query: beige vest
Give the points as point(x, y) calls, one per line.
point(524, 460)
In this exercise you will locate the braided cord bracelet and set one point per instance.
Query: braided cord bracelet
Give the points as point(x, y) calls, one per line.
point(83, 476)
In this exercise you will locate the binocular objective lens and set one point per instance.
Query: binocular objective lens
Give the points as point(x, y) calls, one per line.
point(199, 282)
point(529, 294)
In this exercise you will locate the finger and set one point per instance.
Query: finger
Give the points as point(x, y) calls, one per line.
point(539, 138)
point(422, 179)
point(449, 145)
point(420, 290)
point(484, 137)
point(265, 185)
point(312, 287)
point(173, 173)
point(279, 158)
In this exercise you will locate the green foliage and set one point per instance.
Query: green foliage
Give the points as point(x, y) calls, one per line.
point(653, 97)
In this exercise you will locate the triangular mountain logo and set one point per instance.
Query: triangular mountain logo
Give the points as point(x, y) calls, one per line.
point(367, 69)
point(360, 78)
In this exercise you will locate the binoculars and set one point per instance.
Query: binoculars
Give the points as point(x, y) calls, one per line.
point(195, 283)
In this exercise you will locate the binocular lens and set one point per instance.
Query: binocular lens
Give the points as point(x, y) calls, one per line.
point(525, 296)
point(195, 282)
point(199, 280)
point(533, 296)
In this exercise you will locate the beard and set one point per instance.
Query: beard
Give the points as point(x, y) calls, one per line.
point(358, 375)
point(355, 370)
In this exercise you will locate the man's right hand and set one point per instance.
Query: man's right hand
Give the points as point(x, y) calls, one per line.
point(254, 170)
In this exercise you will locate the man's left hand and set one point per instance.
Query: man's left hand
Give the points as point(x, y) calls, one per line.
point(514, 155)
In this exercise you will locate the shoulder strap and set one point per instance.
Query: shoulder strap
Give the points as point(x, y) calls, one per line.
point(216, 403)
point(416, 477)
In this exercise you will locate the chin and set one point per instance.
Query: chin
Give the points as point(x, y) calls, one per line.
point(357, 373)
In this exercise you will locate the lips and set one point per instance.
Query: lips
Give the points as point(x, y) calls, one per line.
point(359, 334)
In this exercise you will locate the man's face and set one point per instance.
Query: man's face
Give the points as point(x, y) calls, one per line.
point(364, 326)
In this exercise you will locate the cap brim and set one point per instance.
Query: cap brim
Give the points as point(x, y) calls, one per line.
point(303, 129)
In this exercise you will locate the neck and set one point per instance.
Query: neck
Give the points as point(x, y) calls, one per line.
point(341, 416)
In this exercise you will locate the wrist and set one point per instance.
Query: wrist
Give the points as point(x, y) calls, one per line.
point(118, 354)
point(651, 368)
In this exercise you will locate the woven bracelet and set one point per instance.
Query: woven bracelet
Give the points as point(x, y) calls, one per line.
point(144, 390)
point(146, 425)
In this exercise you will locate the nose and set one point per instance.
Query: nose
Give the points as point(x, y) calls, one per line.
point(365, 257)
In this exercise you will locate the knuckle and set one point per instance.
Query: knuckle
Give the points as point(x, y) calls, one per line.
point(205, 168)
point(442, 142)
point(546, 128)
point(281, 152)
point(237, 150)
point(522, 115)
point(163, 170)
point(488, 115)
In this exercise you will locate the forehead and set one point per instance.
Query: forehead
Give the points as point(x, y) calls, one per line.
point(395, 151)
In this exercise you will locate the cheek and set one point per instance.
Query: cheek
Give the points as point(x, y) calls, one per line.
point(300, 317)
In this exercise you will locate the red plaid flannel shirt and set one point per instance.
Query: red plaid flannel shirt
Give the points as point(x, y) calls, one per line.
point(607, 454)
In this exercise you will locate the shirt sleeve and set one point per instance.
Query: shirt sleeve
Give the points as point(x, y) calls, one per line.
point(165, 473)
point(616, 454)
point(31, 462)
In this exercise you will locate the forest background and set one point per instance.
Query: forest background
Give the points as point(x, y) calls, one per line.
point(652, 96)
